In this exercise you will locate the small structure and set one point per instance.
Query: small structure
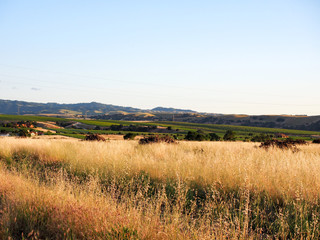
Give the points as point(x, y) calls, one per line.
point(33, 134)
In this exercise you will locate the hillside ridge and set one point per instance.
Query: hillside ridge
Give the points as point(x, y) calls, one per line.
point(102, 111)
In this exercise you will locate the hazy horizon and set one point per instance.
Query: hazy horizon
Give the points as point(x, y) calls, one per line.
point(218, 57)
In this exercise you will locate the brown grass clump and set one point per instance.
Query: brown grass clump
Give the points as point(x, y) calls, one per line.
point(156, 139)
point(94, 137)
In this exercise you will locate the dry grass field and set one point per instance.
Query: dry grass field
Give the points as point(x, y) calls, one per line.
point(58, 189)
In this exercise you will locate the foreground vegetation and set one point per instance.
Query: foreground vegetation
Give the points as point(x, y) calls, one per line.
point(70, 189)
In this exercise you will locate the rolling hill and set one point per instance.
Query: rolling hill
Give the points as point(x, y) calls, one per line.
point(113, 112)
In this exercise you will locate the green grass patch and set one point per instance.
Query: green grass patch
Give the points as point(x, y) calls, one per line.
point(183, 127)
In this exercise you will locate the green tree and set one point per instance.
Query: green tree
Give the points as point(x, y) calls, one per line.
point(197, 136)
point(262, 137)
point(214, 137)
point(130, 136)
point(24, 133)
point(229, 136)
point(191, 136)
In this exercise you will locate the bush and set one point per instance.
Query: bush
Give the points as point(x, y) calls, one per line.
point(156, 139)
point(201, 136)
point(129, 136)
point(3, 131)
point(196, 136)
point(297, 141)
point(214, 137)
point(24, 133)
point(260, 138)
point(191, 136)
point(94, 137)
point(316, 140)
point(229, 136)
point(288, 144)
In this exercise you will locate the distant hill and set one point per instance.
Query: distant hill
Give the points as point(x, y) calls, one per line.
point(311, 123)
point(113, 112)
point(171, 110)
point(93, 108)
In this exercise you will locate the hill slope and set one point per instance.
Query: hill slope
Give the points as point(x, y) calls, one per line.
point(93, 108)
point(113, 112)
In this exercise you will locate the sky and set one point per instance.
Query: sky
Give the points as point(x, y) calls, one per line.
point(231, 57)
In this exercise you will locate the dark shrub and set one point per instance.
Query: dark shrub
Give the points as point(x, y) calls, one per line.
point(297, 141)
point(196, 136)
point(229, 136)
point(129, 136)
point(156, 139)
point(94, 137)
point(201, 136)
point(191, 136)
point(316, 140)
point(24, 133)
point(288, 144)
point(260, 138)
point(214, 137)
point(116, 127)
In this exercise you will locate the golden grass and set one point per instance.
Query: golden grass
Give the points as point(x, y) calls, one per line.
point(88, 210)
point(276, 171)
point(71, 211)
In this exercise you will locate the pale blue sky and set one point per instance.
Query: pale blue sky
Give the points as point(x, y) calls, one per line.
point(252, 57)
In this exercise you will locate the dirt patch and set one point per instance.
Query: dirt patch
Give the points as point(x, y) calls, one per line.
point(44, 130)
point(119, 137)
point(112, 137)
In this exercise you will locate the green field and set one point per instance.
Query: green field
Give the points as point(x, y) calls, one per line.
point(238, 129)
point(181, 128)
